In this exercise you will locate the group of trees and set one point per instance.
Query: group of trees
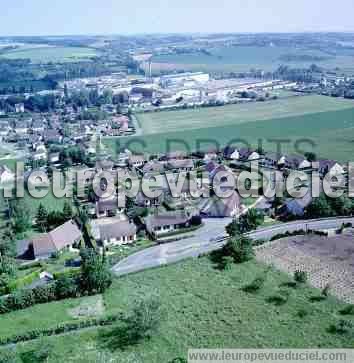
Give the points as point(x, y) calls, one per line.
point(297, 74)
point(8, 272)
point(41, 103)
point(246, 222)
point(239, 247)
point(73, 155)
point(48, 220)
point(324, 206)
point(94, 277)
point(20, 215)
point(85, 98)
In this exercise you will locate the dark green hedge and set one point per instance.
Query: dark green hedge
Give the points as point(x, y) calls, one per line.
point(60, 329)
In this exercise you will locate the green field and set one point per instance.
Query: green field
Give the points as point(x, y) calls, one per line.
point(242, 59)
point(51, 54)
point(205, 307)
point(160, 122)
point(331, 131)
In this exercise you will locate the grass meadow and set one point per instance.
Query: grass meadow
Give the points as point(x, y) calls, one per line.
point(204, 307)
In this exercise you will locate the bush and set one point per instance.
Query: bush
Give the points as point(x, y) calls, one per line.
point(227, 262)
point(145, 319)
point(69, 272)
point(240, 248)
point(348, 310)
point(41, 352)
point(342, 327)
point(302, 313)
point(66, 287)
point(44, 294)
point(255, 285)
point(326, 290)
point(299, 232)
point(9, 356)
point(300, 276)
point(280, 298)
point(24, 281)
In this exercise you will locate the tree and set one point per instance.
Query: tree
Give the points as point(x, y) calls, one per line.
point(54, 219)
point(240, 248)
point(310, 156)
point(245, 223)
point(144, 320)
point(8, 242)
point(319, 208)
point(341, 206)
point(67, 211)
point(95, 274)
point(21, 216)
point(277, 203)
point(42, 218)
point(65, 287)
point(8, 266)
point(8, 271)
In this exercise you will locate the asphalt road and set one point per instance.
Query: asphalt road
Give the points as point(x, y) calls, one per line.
point(208, 238)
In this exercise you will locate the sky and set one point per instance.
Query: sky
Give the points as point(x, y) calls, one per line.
point(62, 17)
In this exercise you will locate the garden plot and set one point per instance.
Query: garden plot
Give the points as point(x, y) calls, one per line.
point(326, 260)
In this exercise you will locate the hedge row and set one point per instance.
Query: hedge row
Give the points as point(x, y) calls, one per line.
point(299, 232)
point(69, 272)
point(60, 329)
point(23, 299)
point(22, 282)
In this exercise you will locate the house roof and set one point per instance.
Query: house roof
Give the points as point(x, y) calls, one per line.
point(273, 156)
point(106, 204)
point(221, 207)
point(166, 219)
point(228, 151)
point(153, 166)
point(64, 235)
point(104, 164)
point(109, 228)
point(297, 206)
point(136, 159)
point(116, 230)
point(294, 160)
point(43, 245)
point(180, 164)
point(325, 164)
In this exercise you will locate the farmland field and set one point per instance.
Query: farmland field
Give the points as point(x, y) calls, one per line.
point(241, 59)
point(158, 122)
point(332, 131)
point(205, 307)
point(51, 54)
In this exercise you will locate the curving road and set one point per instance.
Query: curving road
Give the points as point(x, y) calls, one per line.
point(211, 237)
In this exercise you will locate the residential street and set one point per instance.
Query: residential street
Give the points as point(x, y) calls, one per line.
point(209, 238)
